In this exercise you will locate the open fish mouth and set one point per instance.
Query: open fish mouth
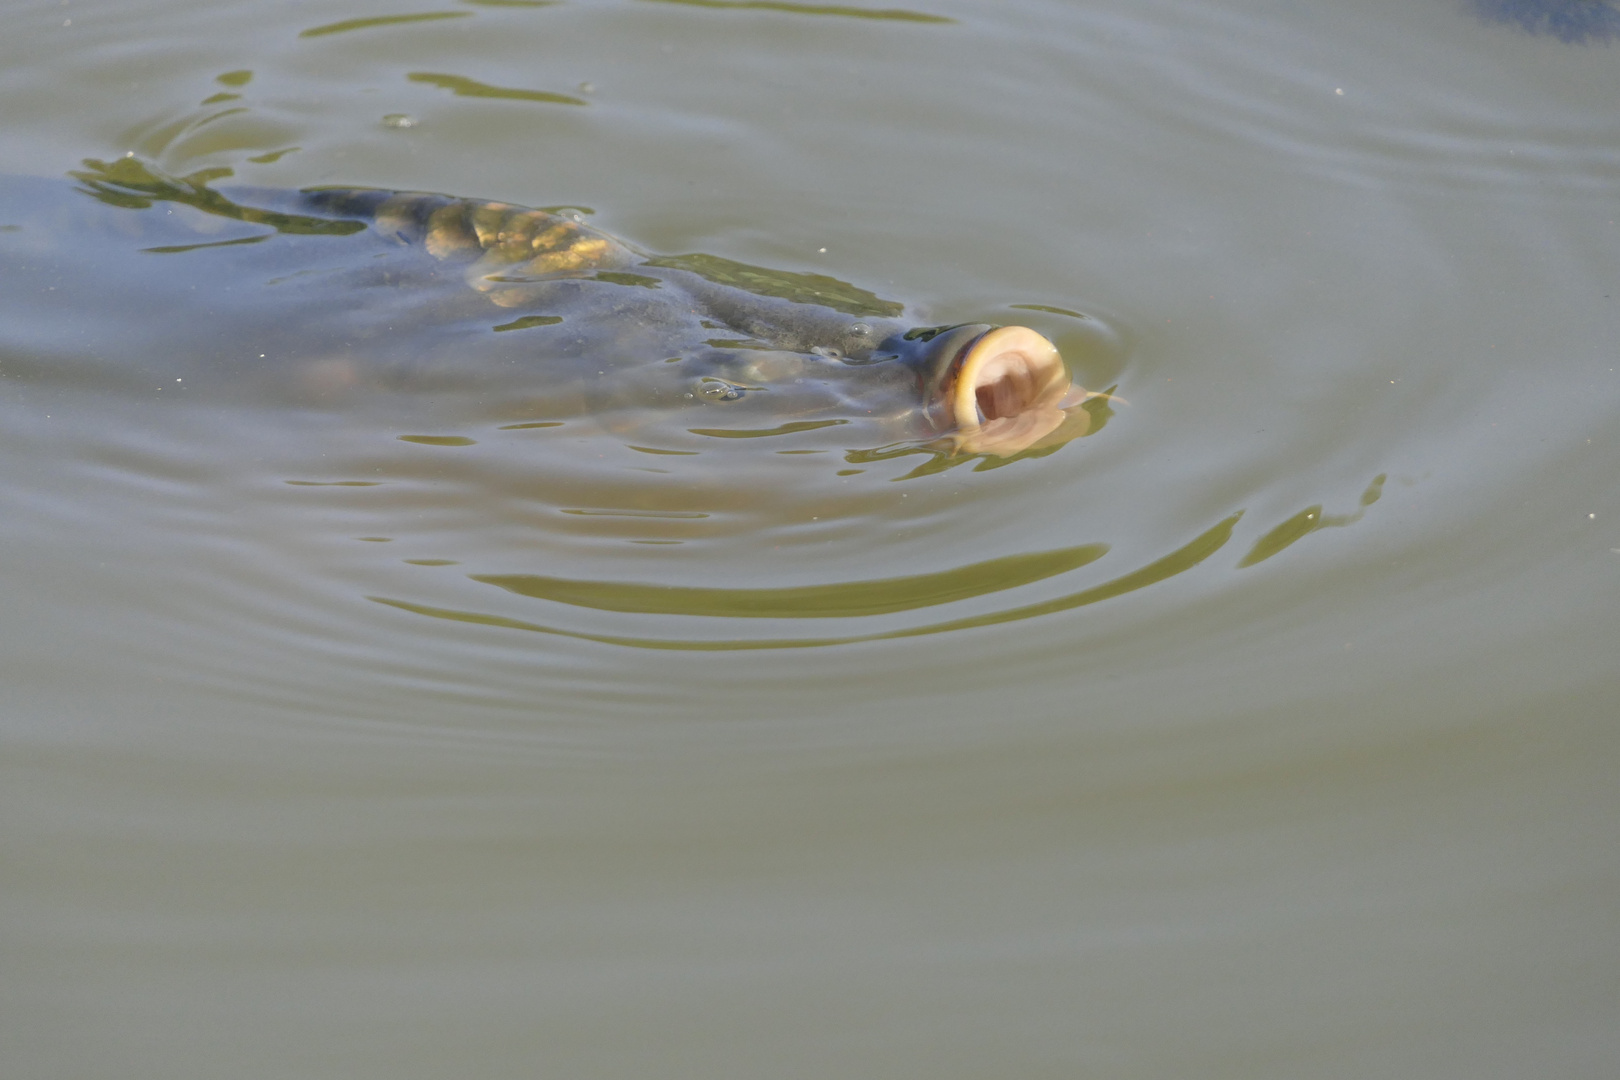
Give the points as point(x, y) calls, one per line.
point(1006, 390)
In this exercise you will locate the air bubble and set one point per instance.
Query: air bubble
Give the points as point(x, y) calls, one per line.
point(399, 120)
point(827, 352)
point(721, 391)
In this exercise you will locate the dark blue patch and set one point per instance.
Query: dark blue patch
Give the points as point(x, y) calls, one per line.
point(1573, 21)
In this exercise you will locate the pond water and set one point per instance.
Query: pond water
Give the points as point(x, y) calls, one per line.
point(1268, 730)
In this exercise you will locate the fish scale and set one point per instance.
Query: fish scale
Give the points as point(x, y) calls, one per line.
point(507, 246)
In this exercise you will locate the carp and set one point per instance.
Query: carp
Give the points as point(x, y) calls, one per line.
point(627, 329)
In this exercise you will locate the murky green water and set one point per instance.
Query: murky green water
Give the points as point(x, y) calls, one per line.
point(1268, 730)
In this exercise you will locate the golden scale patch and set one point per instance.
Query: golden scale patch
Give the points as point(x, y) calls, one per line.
point(509, 246)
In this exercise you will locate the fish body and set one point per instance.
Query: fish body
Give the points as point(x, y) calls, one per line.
point(541, 304)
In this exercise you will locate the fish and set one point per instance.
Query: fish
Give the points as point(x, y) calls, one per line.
point(598, 325)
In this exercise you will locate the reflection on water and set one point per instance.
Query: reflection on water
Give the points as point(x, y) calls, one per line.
point(796, 288)
point(887, 14)
point(1087, 418)
point(465, 87)
point(1572, 21)
point(438, 440)
point(1308, 521)
point(780, 603)
point(375, 21)
point(791, 428)
point(129, 184)
point(810, 601)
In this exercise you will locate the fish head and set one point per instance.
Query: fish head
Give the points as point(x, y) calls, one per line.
point(972, 388)
point(991, 389)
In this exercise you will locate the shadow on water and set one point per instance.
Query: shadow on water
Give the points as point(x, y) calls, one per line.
point(1573, 21)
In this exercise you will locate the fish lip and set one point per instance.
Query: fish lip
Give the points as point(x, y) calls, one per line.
point(1003, 391)
point(934, 356)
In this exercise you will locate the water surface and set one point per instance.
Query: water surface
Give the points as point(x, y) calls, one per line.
point(1267, 730)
